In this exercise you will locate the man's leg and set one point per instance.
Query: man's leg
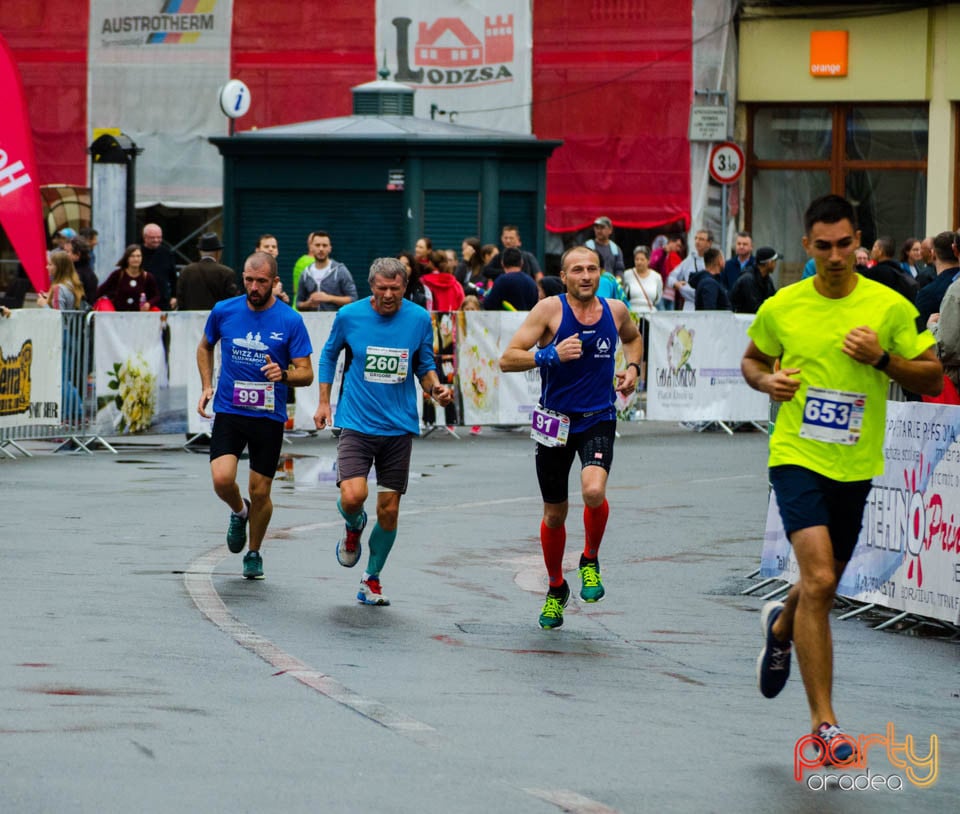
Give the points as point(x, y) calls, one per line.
point(384, 532)
point(261, 508)
point(810, 609)
point(553, 540)
point(593, 482)
point(224, 472)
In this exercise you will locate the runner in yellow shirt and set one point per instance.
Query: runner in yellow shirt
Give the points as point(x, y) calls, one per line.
point(838, 338)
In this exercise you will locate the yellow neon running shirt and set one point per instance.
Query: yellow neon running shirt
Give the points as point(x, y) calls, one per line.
point(808, 329)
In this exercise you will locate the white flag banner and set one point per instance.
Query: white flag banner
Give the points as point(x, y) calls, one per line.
point(31, 353)
point(469, 60)
point(156, 69)
point(693, 373)
point(908, 554)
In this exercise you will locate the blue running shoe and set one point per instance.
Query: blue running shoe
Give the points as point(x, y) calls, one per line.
point(252, 565)
point(237, 530)
point(552, 614)
point(370, 592)
point(591, 588)
point(773, 663)
point(837, 749)
point(349, 548)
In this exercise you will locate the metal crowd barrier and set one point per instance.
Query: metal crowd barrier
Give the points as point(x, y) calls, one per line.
point(77, 411)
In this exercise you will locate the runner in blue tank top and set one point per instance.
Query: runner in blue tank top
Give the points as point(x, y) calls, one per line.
point(572, 339)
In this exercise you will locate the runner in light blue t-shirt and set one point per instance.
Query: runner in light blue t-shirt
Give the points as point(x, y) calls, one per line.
point(388, 342)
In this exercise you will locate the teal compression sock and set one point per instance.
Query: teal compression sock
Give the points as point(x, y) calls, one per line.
point(381, 541)
point(352, 520)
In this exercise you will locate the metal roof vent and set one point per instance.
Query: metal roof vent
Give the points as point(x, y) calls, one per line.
point(382, 98)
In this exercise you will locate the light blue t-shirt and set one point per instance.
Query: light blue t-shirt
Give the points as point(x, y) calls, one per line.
point(246, 338)
point(384, 356)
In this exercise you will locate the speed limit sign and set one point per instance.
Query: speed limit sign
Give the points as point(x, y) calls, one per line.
point(726, 163)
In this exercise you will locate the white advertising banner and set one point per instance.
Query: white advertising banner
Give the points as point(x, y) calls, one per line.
point(470, 60)
point(693, 373)
point(156, 68)
point(31, 353)
point(908, 555)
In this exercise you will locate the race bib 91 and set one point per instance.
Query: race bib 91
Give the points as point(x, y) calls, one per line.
point(833, 416)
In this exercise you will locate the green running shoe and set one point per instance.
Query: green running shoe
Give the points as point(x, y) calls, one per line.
point(237, 530)
point(552, 614)
point(591, 588)
point(252, 565)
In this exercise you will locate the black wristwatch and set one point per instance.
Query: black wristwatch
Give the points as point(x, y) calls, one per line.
point(637, 366)
point(883, 361)
point(283, 376)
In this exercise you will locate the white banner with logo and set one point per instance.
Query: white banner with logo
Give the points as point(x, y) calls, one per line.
point(908, 554)
point(156, 67)
point(31, 353)
point(470, 60)
point(693, 373)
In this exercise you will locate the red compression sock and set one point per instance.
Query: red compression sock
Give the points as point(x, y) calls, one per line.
point(594, 524)
point(553, 542)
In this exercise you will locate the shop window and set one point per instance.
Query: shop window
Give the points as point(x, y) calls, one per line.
point(875, 155)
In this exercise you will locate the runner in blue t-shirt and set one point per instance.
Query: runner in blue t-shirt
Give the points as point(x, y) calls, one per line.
point(388, 341)
point(572, 338)
point(264, 349)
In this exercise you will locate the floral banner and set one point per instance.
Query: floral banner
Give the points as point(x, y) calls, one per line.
point(132, 352)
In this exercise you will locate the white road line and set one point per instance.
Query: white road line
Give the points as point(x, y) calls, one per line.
point(570, 801)
point(198, 581)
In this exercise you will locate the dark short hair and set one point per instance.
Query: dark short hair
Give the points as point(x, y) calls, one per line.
point(829, 209)
point(943, 247)
point(318, 233)
point(710, 256)
point(706, 232)
point(511, 258)
point(887, 246)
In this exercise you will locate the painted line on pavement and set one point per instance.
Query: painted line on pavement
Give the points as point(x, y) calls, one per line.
point(198, 580)
point(571, 802)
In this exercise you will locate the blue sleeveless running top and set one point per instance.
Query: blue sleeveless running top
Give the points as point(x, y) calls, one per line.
point(583, 389)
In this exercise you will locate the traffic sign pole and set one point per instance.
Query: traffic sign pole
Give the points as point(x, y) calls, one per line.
point(726, 166)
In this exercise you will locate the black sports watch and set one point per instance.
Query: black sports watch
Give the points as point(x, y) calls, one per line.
point(637, 366)
point(883, 361)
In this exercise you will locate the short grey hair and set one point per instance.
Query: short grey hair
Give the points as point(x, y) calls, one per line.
point(388, 267)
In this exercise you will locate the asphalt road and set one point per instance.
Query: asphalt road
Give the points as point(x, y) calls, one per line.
point(140, 672)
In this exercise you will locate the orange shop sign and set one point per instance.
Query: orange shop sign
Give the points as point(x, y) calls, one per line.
point(828, 53)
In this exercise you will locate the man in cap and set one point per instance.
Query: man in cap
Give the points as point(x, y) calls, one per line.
point(204, 283)
point(755, 284)
point(611, 256)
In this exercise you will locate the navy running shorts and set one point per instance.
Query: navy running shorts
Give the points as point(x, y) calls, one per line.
point(594, 446)
point(357, 452)
point(262, 436)
point(806, 498)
